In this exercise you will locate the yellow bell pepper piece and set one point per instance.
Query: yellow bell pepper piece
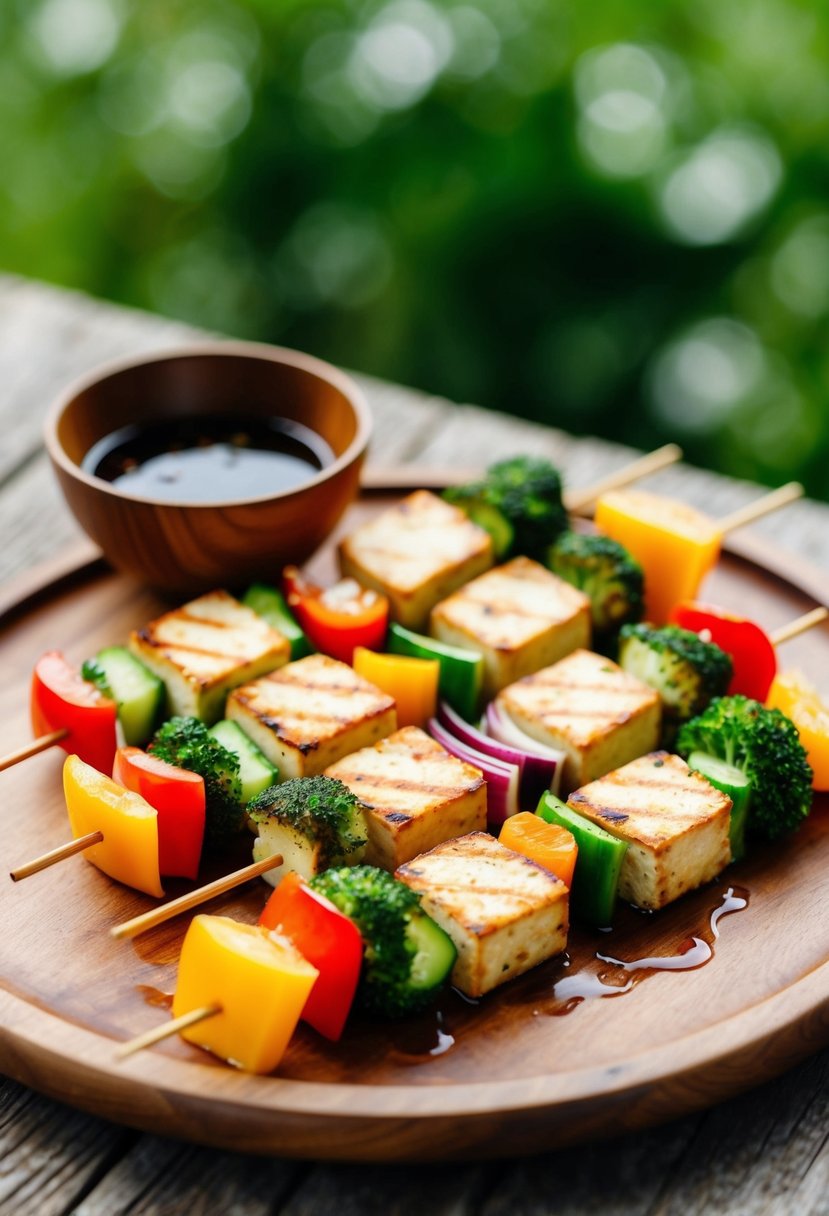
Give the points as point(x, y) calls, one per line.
point(129, 849)
point(412, 682)
point(675, 544)
point(259, 979)
point(799, 700)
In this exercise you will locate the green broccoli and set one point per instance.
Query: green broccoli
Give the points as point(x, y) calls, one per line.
point(763, 744)
point(187, 743)
point(606, 573)
point(314, 822)
point(686, 671)
point(519, 503)
point(407, 956)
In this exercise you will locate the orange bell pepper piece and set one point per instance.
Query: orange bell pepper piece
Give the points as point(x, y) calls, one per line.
point(412, 682)
point(129, 849)
point(799, 700)
point(260, 981)
point(553, 847)
point(675, 544)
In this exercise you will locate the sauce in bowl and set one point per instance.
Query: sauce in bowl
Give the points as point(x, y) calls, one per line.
point(209, 458)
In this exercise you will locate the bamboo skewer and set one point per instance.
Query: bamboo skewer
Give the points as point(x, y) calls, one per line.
point(760, 507)
point(798, 626)
point(661, 458)
point(32, 749)
point(166, 1030)
point(149, 920)
point(55, 855)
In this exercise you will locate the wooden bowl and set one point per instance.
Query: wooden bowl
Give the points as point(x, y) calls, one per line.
point(182, 549)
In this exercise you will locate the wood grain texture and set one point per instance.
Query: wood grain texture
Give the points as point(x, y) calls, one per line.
point(772, 1155)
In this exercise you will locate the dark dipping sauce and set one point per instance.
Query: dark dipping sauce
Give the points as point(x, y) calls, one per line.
point(209, 458)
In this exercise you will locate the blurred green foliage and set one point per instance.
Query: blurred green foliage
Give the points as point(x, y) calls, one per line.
point(610, 217)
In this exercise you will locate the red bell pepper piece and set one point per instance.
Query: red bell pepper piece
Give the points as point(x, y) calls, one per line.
point(337, 619)
point(62, 700)
point(178, 796)
point(751, 650)
point(329, 940)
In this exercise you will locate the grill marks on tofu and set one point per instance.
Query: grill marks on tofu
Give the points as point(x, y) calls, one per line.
point(519, 615)
point(310, 713)
point(504, 912)
point(416, 553)
point(207, 647)
point(415, 794)
point(586, 704)
point(675, 822)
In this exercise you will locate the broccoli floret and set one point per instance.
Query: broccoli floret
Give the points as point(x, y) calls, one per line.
point(406, 955)
point(314, 822)
point(187, 743)
point(686, 671)
point(606, 573)
point(525, 492)
point(764, 744)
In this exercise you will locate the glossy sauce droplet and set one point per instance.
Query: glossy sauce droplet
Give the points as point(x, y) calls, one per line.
point(155, 997)
point(693, 953)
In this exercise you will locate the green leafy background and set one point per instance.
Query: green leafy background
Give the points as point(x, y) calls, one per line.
point(611, 217)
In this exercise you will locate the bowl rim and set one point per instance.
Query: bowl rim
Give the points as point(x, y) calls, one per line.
point(263, 351)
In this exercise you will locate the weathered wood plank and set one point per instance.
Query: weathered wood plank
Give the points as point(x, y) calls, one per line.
point(49, 1153)
point(436, 1190)
point(162, 1177)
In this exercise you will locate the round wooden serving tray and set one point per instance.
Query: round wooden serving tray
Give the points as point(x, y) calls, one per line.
point(519, 1077)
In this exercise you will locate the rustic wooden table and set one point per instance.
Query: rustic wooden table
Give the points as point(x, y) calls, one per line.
point(764, 1152)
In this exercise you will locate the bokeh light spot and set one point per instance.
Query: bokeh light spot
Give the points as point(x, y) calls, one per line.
point(703, 375)
point(800, 268)
point(76, 36)
point(719, 186)
point(621, 91)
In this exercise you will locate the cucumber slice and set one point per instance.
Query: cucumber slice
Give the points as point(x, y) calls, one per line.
point(272, 606)
point(733, 782)
point(599, 861)
point(461, 671)
point(255, 770)
point(435, 953)
point(138, 693)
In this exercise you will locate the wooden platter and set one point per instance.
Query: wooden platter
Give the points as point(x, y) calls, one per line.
point(518, 1072)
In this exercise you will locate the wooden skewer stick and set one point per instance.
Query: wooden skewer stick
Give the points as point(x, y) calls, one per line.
point(166, 1030)
point(580, 500)
point(55, 855)
point(799, 625)
point(761, 506)
point(149, 920)
point(32, 749)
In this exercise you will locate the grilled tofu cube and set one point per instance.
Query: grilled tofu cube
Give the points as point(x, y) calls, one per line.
point(519, 616)
point(310, 713)
point(414, 794)
point(504, 913)
point(204, 649)
point(600, 716)
point(675, 823)
point(416, 553)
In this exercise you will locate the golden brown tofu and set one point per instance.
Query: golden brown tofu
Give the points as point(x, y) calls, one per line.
point(600, 716)
point(519, 616)
point(415, 795)
point(310, 713)
point(416, 553)
point(504, 913)
point(675, 822)
point(204, 649)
